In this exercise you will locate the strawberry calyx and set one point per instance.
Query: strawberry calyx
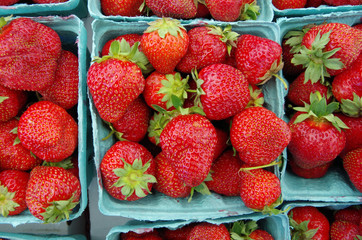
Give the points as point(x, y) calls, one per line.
point(352, 108)
point(59, 210)
point(241, 230)
point(157, 124)
point(271, 209)
point(4, 21)
point(3, 98)
point(227, 35)
point(114, 132)
point(165, 26)
point(256, 97)
point(316, 61)
point(133, 179)
point(272, 72)
point(202, 188)
point(66, 163)
point(250, 11)
point(319, 111)
point(295, 37)
point(7, 204)
point(123, 51)
point(301, 230)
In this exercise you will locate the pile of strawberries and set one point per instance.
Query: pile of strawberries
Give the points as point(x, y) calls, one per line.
point(220, 10)
point(38, 134)
point(282, 4)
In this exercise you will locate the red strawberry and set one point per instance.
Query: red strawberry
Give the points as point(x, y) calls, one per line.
point(352, 163)
point(164, 43)
point(299, 91)
point(129, 8)
point(344, 230)
point(29, 51)
point(168, 182)
point(202, 11)
point(225, 91)
point(128, 171)
point(307, 222)
point(260, 189)
point(258, 58)
point(131, 38)
point(184, 9)
point(208, 45)
point(353, 133)
point(317, 137)
point(288, 4)
point(230, 11)
point(8, 2)
point(13, 155)
point(133, 125)
point(12, 192)
point(52, 193)
point(258, 135)
point(249, 230)
point(333, 48)
point(343, 2)
point(316, 172)
point(11, 101)
point(222, 138)
point(116, 80)
point(358, 26)
point(225, 175)
point(260, 234)
point(314, 3)
point(180, 233)
point(207, 231)
point(189, 143)
point(48, 131)
point(153, 235)
point(161, 89)
point(70, 164)
point(64, 90)
point(348, 214)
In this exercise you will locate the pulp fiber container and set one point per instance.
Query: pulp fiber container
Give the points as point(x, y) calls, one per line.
point(335, 185)
point(23, 236)
point(323, 9)
point(276, 225)
point(73, 36)
point(76, 7)
point(95, 10)
point(158, 206)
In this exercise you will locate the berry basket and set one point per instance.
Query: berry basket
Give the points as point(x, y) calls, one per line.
point(335, 185)
point(73, 36)
point(323, 9)
point(276, 225)
point(95, 11)
point(157, 206)
point(76, 7)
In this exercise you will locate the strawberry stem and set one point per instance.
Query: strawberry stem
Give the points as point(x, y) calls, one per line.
point(6, 201)
point(59, 210)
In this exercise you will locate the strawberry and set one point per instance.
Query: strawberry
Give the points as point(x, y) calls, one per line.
point(317, 137)
point(352, 163)
point(288, 4)
point(260, 189)
point(52, 193)
point(225, 91)
point(29, 51)
point(258, 135)
point(189, 143)
point(184, 9)
point(316, 172)
point(133, 125)
point(299, 91)
point(353, 133)
point(258, 58)
point(168, 182)
point(180, 233)
point(128, 171)
point(308, 222)
point(314, 3)
point(70, 164)
point(64, 90)
point(11, 101)
point(333, 48)
point(348, 214)
point(164, 43)
point(129, 8)
point(202, 11)
point(249, 230)
point(343, 2)
point(347, 88)
point(12, 191)
point(162, 89)
point(344, 230)
point(13, 155)
point(8, 2)
point(222, 138)
point(358, 26)
point(225, 175)
point(131, 38)
point(207, 231)
point(207, 45)
point(260, 234)
point(115, 80)
point(48, 131)
point(153, 235)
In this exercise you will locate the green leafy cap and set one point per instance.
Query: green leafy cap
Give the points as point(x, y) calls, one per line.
point(301, 230)
point(165, 26)
point(66, 163)
point(241, 230)
point(226, 35)
point(250, 11)
point(316, 60)
point(59, 210)
point(6, 201)
point(320, 111)
point(133, 179)
point(352, 108)
point(4, 21)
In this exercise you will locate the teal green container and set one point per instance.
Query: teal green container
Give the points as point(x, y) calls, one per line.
point(76, 7)
point(276, 225)
point(95, 11)
point(335, 186)
point(158, 206)
point(74, 37)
